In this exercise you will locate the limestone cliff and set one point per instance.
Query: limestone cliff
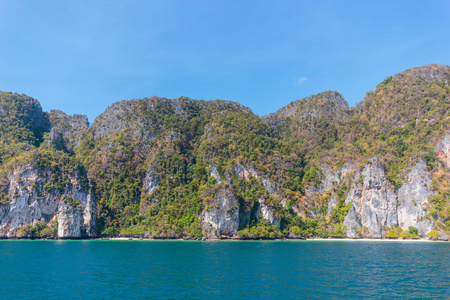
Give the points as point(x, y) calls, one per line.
point(31, 198)
point(184, 168)
point(264, 208)
point(376, 205)
point(223, 217)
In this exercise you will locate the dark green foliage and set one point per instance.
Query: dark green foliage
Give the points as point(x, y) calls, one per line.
point(338, 214)
point(22, 124)
point(37, 230)
point(413, 230)
point(261, 230)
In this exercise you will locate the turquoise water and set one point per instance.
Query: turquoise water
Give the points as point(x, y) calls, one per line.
point(223, 270)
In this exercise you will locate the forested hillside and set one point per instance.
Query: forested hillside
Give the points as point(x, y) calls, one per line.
point(183, 168)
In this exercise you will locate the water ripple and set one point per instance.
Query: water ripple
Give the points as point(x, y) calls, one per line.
point(222, 270)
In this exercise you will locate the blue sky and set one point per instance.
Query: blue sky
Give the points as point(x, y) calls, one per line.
point(81, 56)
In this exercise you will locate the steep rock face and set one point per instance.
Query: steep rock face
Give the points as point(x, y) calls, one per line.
point(443, 149)
point(150, 184)
point(215, 173)
point(32, 201)
point(266, 210)
point(375, 206)
point(65, 133)
point(69, 220)
point(413, 200)
point(267, 213)
point(246, 171)
point(331, 177)
point(222, 215)
point(374, 203)
point(151, 181)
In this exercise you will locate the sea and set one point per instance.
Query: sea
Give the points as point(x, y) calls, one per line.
point(145, 269)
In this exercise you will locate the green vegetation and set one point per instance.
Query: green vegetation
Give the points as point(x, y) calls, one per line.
point(37, 230)
point(148, 161)
point(22, 124)
point(434, 234)
point(397, 232)
point(261, 230)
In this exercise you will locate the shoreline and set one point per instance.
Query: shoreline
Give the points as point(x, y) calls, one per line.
point(283, 240)
point(225, 239)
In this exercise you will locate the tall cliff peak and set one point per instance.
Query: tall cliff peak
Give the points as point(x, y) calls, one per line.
point(305, 117)
point(407, 82)
point(65, 133)
point(22, 119)
point(408, 95)
point(328, 104)
point(145, 117)
point(429, 73)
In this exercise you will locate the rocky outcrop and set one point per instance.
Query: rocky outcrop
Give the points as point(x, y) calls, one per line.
point(69, 220)
point(221, 218)
point(329, 105)
point(412, 200)
point(215, 173)
point(246, 171)
point(374, 203)
point(149, 196)
point(330, 178)
point(66, 131)
point(264, 209)
point(267, 212)
point(376, 206)
point(32, 198)
point(151, 181)
point(443, 149)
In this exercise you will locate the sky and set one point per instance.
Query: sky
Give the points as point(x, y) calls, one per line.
point(82, 56)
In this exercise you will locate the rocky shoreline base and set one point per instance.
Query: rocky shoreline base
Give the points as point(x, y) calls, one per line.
point(228, 239)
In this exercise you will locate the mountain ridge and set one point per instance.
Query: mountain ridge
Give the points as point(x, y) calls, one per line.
point(184, 168)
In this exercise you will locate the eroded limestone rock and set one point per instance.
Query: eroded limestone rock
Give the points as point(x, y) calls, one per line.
point(222, 214)
point(31, 200)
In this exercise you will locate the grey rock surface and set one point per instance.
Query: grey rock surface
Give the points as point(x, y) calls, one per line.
point(69, 221)
point(215, 173)
point(376, 206)
point(30, 202)
point(413, 200)
point(66, 131)
point(328, 104)
point(222, 215)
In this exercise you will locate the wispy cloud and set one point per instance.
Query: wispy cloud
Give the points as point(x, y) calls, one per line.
point(300, 80)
